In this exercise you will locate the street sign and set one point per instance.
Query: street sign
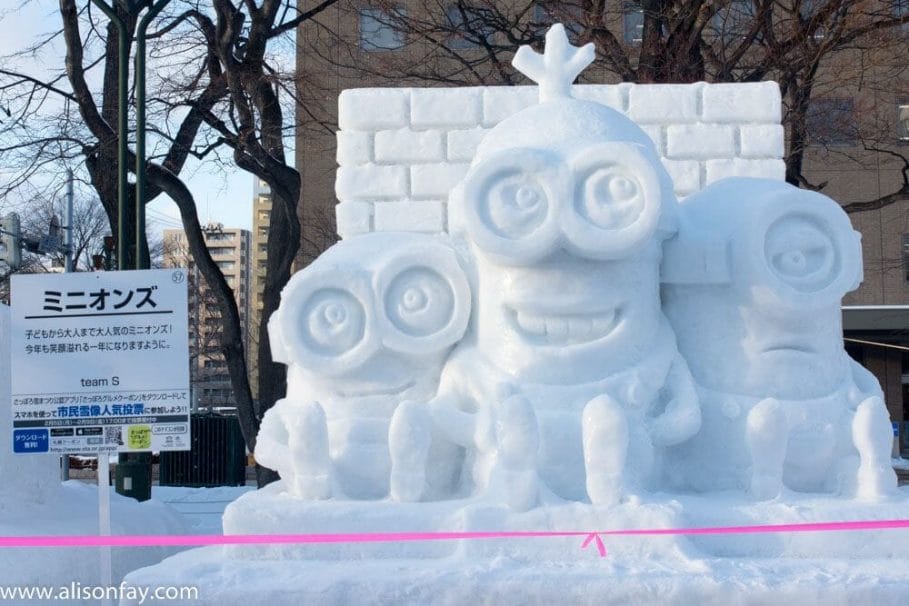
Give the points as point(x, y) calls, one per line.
point(100, 362)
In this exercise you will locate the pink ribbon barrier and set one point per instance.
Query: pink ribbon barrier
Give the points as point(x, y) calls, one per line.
point(594, 538)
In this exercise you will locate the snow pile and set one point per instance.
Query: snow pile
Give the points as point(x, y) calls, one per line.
point(74, 511)
point(860, 568)
point(32, 479)
point(580, 353)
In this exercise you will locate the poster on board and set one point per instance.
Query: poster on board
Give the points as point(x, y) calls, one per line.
point(100, 362)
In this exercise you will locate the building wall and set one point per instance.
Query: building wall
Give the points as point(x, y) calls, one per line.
point(886, 364)
point(258, 259)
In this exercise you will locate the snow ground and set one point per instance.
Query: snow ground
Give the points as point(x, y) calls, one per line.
point(200, 508)
point(72, 509)
point(486, 580)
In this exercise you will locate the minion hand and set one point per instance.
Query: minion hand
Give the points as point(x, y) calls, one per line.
point(517, 441)
point(409, 439)
point(871, 435)
point(307, 444)
point(682, 417)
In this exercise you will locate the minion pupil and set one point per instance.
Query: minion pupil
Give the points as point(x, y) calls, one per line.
point(516, 205)
point(333, 321)
point(419, 301)
point(610, 198)
point(799, 261)
point(801, 252)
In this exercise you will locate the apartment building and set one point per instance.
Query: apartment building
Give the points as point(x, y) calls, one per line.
point(259, 258)
point(859, 106)
point(230, 249)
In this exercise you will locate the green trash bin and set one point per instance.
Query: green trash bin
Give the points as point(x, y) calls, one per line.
point(133, 477)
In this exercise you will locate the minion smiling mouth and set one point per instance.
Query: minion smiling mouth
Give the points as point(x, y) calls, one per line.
point(792, 347)
point(375, 391)
point(559, 329)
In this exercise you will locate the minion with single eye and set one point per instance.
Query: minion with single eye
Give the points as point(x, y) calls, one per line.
point(365, 327)
point(752, 285)
point(562, 213)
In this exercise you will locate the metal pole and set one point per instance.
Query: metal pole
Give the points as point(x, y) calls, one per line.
point(67, 268)
point(68, 228)
point(141, 248)
point(122, 128)
point(104, 526)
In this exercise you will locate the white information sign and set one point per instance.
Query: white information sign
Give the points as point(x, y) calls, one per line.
point(100, 362)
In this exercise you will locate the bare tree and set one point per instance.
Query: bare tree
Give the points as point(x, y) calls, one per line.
point(89, 227)
point(216, 88)
point(38, 215)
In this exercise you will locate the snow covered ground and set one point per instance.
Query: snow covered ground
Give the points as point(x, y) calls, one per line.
point(819, 568)
point(72, 509)
point(200, 508)
point(582, 576)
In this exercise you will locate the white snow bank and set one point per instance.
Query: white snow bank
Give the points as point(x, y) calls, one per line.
point(74, 511)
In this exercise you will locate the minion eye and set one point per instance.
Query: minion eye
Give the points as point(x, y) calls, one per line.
point(611, 198)
point(420, 302)
point(511, 202)
point(801, 253)
point(799, 261)
point(333, 321)
point(516, 205)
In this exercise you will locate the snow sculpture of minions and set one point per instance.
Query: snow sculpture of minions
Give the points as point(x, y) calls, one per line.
point(753, 284)
point(363, 328)
point(570, 371)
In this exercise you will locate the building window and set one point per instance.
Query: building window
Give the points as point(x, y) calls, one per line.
point(901, 10)
point(378, 31)
point(808, 10)
point(831, 121)
point(633, 22)
point(735, 20)
point(569, 14)
point(467, 27)
point(902, 121)
point(225, 264)
point(906, 256)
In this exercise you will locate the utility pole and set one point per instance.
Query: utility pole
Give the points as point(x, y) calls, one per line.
point(68, 227)
point(10, 241)
point(67, 268)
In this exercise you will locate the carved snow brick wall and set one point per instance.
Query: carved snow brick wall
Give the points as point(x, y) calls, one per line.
point(401, 150)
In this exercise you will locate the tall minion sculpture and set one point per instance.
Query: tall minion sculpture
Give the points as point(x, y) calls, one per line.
point(568, 384)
